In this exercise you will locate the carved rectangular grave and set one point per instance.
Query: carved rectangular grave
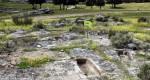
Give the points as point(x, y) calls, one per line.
point(88, 67)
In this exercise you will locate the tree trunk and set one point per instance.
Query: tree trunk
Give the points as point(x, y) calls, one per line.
point(40, 6)
point(33, 7)
point(60, 6)
point(114, 5)
point(100, 7)
point(67, 7)
point(63, 7)
point(76, 6)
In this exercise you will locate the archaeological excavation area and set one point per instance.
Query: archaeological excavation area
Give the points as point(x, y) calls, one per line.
point(48, 44)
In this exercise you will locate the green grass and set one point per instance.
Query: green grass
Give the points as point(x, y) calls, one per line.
point(8, 25)
point(29, 49)
point(142, 36)
point(4, 38)
point(101, 53)
point(129, 28)
point(67, 48)
point(121, 66)
point(34, 62)
point(143, 55)
point(86, 44)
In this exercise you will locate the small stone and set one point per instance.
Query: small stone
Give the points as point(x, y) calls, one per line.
point(13, 62)
point(39, 46)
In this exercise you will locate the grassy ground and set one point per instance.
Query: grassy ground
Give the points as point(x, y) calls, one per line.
point(128, 11)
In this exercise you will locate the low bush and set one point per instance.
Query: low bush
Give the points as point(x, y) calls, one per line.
point(102, 19)
point(22, 20)
point(144, 73)
point(39, 25)
point(120, 40)
point(26, 41)
point(143, 19)
point(77, 29)
point(6, 45)
point(117, 19)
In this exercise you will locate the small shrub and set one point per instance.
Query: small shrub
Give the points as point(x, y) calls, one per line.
point(145, 46)
point(63, 20)
point(121, 20)
point(120, 40)
point(144, 73)
point(92, 45)
point(143, 19)
point(22, 20)
point(26, 41)
point(6, 45)
point(117, 19)
point(102, 19)
point(77, 29)
point(29, 49)
point(39, 25)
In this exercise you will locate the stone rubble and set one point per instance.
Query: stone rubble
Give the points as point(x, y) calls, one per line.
point(58, 70)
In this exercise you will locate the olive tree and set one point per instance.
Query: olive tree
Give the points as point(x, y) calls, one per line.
point(33, 2)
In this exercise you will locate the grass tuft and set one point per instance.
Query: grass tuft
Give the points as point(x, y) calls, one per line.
point(34, 62)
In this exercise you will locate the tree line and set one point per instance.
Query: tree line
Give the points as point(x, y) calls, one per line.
point(100, 3)
point(65, 3)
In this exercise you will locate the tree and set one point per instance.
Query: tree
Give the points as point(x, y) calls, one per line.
point(65, 3)
point(58, 2)
point(40, 2)
point(114, 2)
point(100, 3)
point(69, 2)
point(81, 0)
point(90, 3)
point(33, 2)
point(144, 73)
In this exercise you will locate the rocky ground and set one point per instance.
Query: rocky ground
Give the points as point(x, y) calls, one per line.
point(104, 65)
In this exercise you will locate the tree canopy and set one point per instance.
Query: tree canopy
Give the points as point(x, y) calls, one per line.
point(115, 2)
point(100, 3)
point(33, 2)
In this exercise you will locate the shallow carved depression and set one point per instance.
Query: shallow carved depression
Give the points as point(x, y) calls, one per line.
point(87, 67)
